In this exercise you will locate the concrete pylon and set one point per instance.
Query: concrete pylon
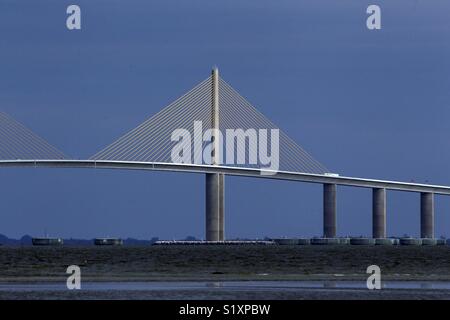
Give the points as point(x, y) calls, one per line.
point(329, 210)
point(221, 207)
point(378, 213)
point(426, 215)
point(212, 206)
point(215, 182)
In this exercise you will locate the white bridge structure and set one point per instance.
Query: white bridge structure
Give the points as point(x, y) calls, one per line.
point(218, 106)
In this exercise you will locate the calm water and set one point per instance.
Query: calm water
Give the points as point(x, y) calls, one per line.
point(217, 263)
point(228, 290)
point(226, 285)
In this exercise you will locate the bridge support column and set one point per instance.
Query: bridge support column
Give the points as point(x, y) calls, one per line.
point(215, 182)
point(427, 215)
point(214, 207)
point(379, 213)
point(221, 207)
point(329, 210)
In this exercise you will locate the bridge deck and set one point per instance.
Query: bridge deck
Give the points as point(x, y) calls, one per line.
point(249, 172)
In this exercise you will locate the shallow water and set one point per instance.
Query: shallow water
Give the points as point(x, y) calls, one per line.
point(227, 290)
point(228, 272)
point(225, 285)
point(191, 263)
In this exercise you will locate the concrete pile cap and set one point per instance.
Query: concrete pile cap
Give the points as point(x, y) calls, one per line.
point(385, 241)
point(429, 242)
point(362, 241)
point(325, 241)
point(304, 241)
point(410, 242)
point(286, 241)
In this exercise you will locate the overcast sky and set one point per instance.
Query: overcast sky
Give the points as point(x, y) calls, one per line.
point(373, 104)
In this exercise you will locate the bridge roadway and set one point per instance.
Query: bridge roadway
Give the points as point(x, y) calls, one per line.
point(232, 171)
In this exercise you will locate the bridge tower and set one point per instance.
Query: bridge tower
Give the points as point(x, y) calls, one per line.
point(215, 182)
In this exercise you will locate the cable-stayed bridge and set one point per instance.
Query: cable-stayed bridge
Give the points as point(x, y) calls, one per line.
point(214, 131)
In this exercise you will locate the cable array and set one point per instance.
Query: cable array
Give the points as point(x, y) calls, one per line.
point(19, 142)
point(151, 141)
point(237, 112)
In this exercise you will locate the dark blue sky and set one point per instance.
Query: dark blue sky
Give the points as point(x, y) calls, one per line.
point(372, 104)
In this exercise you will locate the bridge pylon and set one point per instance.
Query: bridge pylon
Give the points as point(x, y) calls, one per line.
point(215, 182)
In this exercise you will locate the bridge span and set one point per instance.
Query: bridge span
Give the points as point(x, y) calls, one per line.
point(379, 187)
point(232, 171)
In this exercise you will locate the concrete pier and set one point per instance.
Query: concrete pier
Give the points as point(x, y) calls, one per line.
point(215, 182)
point(378, 213)
point(427, 215)
point(329, 210)
point(213, 202)
point(221, 207)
